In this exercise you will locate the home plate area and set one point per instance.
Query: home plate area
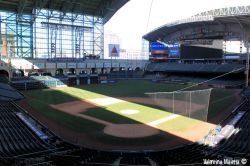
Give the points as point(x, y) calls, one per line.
point(117, 130)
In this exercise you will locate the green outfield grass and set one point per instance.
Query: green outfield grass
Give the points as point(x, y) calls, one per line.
point(41, 99)
point(179, 124)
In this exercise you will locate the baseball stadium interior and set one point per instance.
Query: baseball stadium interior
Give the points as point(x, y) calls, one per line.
point(63, 103)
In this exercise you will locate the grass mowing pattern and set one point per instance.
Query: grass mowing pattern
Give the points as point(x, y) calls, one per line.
point(128, 88)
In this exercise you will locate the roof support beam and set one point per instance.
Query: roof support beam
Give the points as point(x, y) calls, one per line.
point(65, 7)
point(238, 22)
point(99, 8)
point(21, 7)
point(103, 5)
point(38, 5)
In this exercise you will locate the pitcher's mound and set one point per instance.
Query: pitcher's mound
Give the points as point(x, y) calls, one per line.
point(130, 130)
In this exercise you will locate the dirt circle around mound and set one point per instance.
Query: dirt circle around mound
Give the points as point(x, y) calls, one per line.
point(129, 112)
point(130, 130)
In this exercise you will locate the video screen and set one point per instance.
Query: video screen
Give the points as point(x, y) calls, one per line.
point(195, 52)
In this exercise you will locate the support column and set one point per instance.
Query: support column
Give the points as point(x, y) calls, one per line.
point(246, 36)
point(247, 63)
point(224, 43)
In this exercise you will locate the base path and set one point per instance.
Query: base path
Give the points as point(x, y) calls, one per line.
point(159, 121)
point(76, 108)
point(94, 139)
point(117, 130)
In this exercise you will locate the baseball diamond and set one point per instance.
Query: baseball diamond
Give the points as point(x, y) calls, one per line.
point(124, 82)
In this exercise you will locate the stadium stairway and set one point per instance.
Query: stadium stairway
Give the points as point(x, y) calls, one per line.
point(152, 163)
point(117, 162)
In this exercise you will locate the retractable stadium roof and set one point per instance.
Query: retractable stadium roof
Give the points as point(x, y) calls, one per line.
point(233, 15)
point(102, 8)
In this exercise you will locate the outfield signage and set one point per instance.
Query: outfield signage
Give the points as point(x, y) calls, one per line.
point(99, 65)
point(123, 64)
point(90, 65)
point(61, 65)
point(115, 64)
point(50, 65)
point(232, 57)
point(81, 65)
point(114, 50)
point(107, 65)
point(71, 65)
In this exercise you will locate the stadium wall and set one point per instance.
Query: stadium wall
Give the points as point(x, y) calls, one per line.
point(51, 65)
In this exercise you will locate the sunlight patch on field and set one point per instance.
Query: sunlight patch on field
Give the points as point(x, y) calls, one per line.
point(105, 101)
point(129, 112)
point(181, 126)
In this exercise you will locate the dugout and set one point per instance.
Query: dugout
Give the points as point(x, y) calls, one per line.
point(72, 81)
point(59, 72)
point(71, 71)
point(83, 79)
point(94, 79)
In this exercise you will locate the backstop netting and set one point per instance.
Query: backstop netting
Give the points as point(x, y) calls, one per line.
point(192, 104)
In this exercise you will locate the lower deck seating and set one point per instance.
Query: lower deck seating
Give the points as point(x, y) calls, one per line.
point(17, 140)
point(19, 144)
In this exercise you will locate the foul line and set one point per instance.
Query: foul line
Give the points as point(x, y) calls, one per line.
point(159, 121)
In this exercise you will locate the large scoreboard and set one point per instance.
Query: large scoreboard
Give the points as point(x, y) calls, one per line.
point(158, 51)
point(161, 51)
point(196, 52)
point(174, 51)
point(186, 50)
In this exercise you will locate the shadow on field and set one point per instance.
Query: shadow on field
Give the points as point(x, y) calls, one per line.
point(86, 132)
point(222, 101)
